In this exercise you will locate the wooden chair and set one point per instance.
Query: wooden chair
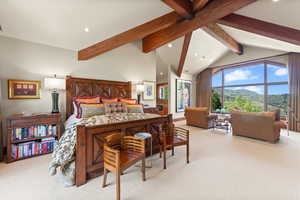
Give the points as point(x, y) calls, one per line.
point(120, 153)
point(177, 137)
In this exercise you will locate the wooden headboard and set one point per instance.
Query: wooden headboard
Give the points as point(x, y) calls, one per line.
point(77, 87)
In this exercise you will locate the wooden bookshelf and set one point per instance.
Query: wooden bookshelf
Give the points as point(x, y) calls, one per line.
point(20, 121)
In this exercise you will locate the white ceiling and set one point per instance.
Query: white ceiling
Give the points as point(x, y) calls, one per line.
point(61, 23)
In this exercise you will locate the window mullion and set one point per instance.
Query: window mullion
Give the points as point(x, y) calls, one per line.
point(266, 87)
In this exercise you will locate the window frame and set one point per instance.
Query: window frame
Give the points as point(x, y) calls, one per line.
point(265, 83)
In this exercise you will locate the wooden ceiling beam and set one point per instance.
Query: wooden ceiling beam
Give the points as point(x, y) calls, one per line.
point(198, 4)
point(219, 34)
point(182, 7)
point(185, 48)
point(263, 28)
point(212, 12)
point(131, 35)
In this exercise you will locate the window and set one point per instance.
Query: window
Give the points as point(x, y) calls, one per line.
point(278, 98)
point(253, 88)
point(217, 80)
point(244, 75)
point(163, 92)
point(247, 98)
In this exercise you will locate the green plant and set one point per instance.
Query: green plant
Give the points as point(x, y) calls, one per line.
point(243, 105)
point(216, 101)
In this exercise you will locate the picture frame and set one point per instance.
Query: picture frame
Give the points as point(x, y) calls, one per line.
point(149, 90)
point(183, 94)
point(24, 89)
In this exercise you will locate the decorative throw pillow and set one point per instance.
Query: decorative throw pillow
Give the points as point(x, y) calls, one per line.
point(277, 114)
point(118, 107)
point(268, 114)
point(128, 101)
point(83, 99)
point(89, 110)
point(135, 108)
point(113, 100)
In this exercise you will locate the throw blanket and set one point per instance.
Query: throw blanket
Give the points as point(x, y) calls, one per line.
point(63, 154)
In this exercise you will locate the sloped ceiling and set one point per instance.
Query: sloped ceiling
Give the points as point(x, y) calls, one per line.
point(61, 23)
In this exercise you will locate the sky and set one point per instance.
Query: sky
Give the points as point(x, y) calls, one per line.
point(253, 75)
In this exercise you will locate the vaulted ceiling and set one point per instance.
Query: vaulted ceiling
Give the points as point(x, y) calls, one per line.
point(62, 23)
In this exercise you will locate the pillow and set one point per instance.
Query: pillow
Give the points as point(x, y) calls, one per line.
point(135, 108)
point(118, 107)
point(277, 114)
point(89, 110)
point(128, 101)
point(197, 108)
point(268, 114)
point(113, 100)
point(83, 99)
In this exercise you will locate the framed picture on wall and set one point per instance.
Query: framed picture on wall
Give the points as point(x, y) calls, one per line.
point(149, 91)
point(183, 94)
point(24, 89)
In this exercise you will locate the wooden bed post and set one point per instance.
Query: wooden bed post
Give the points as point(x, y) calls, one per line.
point(80, 172)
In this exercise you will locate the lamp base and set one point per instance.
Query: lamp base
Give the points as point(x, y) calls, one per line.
point(139, 98)
point(55, 97)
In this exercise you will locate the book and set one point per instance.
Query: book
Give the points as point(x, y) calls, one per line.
point(34, 131)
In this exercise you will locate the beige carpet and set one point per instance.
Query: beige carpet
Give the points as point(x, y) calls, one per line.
point(222, 168)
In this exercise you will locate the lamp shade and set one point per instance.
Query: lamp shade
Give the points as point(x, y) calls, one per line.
point(140, 88)
point(55, 83)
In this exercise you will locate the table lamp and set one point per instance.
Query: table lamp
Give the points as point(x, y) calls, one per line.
point(139, 90)
point(55, 84)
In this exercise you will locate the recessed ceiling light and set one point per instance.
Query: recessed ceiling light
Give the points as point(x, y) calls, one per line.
point(161, 73)
point(196, 54)
point(275, 0)
point(86, 29)
point(170, 45)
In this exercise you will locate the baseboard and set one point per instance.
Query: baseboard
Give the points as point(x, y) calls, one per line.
point(179, 119)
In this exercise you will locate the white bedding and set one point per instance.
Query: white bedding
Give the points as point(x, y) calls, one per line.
point(71, 120)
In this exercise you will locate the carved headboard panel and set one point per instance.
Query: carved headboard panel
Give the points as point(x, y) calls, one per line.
point(77, 87)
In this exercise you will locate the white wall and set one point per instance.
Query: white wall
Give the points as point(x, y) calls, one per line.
point(250, 53)
point(172, 91)
point(30, 61)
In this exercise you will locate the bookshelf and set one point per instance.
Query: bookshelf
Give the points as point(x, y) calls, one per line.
point(31, 135)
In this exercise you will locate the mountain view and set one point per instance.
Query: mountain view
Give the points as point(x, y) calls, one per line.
point(245, 88)
point(249, 101)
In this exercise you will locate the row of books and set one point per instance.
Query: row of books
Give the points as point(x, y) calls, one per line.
point(34, 131)
point(32, 148)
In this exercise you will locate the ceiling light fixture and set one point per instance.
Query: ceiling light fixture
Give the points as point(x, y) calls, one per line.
point(161, 73)
point(87, 29)
point(196, 54)
point(170, 45)
point(275, 0)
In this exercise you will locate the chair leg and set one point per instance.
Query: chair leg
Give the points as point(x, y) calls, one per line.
point(144, 169)
point(160, 151)
point(118, 189)
point(165, 159)
point(104, 178)
point(188, 153)
point(173, 151)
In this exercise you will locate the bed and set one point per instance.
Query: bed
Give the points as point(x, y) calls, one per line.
point(90, 138)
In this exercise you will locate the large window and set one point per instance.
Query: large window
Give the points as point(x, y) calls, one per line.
point(253, 88)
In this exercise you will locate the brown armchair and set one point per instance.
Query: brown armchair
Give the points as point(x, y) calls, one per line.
point(264, 126)
point(199, 117)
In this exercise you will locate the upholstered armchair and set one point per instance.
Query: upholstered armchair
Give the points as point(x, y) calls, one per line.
point(199, 117)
